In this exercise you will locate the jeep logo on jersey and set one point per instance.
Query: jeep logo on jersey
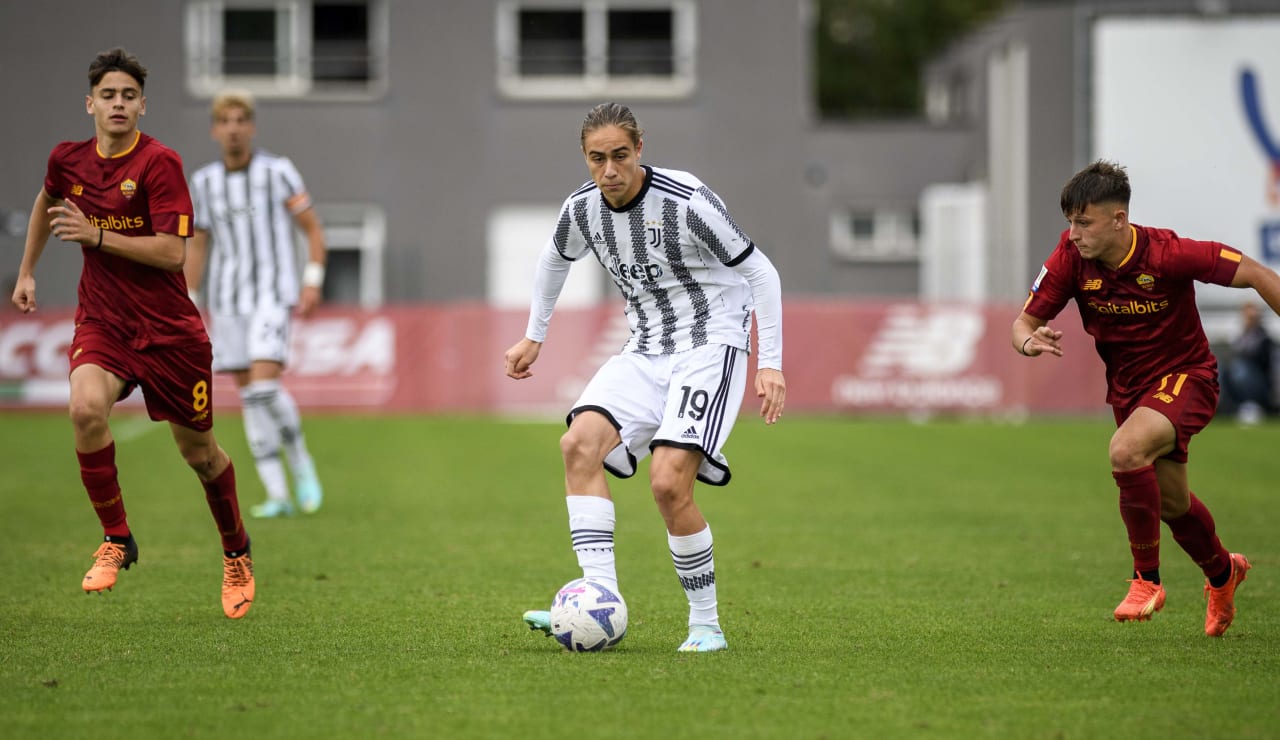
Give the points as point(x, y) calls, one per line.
point(643, 273)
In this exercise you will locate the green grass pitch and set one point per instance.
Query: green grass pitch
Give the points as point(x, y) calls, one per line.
point(877, 578)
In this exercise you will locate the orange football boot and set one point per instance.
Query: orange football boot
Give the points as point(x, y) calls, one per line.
point(1222, 601)
point(237, 585)
point(109, 559)
point(1145, 598)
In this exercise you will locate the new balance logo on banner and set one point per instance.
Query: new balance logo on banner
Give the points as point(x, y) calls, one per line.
point(922, 342)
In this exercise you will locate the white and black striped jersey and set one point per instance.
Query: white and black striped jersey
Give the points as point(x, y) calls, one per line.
point(248, 214)
point(672, 252)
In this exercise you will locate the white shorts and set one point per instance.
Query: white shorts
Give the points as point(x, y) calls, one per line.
point(688, 400)
point(239, 340)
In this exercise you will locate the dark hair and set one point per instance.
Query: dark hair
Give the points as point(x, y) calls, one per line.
point(1100, 182)
point(116, 60)
point(611, 114)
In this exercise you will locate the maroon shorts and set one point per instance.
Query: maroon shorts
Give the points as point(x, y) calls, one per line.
point(176, 382)
point(1186, 401)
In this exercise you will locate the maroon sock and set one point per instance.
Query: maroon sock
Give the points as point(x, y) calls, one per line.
point(98, 472)
point(225, 507)
point(1140, 510)
point(1194, 531)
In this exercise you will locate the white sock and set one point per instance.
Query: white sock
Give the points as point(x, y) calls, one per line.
point(264, 442)
point(694, 558)
point(284, 410)
point(591, 529)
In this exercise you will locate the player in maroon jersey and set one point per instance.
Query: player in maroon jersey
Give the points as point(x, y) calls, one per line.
point(122, 198)
point(1134, 286)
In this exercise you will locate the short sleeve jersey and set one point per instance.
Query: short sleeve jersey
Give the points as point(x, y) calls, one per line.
point(1142, 316)
point(139, 192)
point(671, 252)
point(249, 216)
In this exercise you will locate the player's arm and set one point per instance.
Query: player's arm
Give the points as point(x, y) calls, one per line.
point(766, 293)
point(1254, 274)
point(548, 280)
point(1032, 336)
point(38, 231)
point(197, 254)
point(165, 251)
point(317, 258)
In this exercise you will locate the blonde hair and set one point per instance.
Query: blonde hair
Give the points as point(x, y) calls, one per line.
point(232, 98)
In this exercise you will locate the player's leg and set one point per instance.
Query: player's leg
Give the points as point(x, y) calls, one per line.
point(178, 387)
point(217, 475)
point(1189, 520)
point(263, 435)
point(1144, 436)
point(672, 473)
point(615, 403)
point(584, 446)
point(589, 439)
point(703, 398)
point(268, 350)
point(94, 391)
point(231, 337)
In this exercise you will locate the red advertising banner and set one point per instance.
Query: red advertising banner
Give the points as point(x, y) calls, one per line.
point(839, 356)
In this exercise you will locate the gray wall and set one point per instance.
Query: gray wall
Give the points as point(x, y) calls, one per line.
point(442, 147)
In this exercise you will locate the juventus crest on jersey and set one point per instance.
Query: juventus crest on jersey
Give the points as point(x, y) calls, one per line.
point(670, 252)
point(252, 255)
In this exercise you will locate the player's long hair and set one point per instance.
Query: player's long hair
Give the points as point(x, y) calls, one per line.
point(611, 114)
point(1100, 182)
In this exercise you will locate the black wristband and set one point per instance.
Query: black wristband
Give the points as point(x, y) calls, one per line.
point(1024, 345)
point(99, 244)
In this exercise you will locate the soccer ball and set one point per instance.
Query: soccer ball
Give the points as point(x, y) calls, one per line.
point(588, 616)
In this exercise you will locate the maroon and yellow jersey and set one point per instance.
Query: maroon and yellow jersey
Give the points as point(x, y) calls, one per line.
point(139, 192)
point(1142, 316)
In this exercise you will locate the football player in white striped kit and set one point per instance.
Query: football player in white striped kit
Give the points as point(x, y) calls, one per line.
point(690, 280)
point(246, 207)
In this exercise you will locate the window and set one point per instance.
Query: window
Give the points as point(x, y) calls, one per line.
point(356, 236)
point(288, 48)
point(567, 49)
point(947, 99)
point(883, 234)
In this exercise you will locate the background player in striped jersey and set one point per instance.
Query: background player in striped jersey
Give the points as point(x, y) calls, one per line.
point(121, 197)
point(690, 280)
point(1135, 289)
point(246, 206)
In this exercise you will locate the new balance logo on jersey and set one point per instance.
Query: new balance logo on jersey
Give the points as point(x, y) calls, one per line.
point(1095, 284)
point(690, 433)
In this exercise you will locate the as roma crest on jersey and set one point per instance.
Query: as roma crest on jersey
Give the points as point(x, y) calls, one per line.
point(128, 188)
point(1146, 282)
